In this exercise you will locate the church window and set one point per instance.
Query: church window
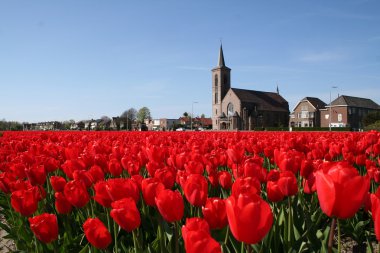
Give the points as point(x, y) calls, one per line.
point(216, 80)
point(216, 97)
point(230, 109)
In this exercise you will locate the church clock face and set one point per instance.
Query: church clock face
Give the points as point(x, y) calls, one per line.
point(230, 109)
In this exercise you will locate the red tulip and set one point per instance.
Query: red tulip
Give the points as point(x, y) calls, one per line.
point(225, 179)
point(115, 168)
point(166, 176)
point(196, 189)
point(101, 194)
point(58, 183)
point(96, 174)
point(341, 190)
point(119, 188)
point(25, 201)
point(197, 238)
point(44, 227)
point(150, 188)
point(84, 176)
point(246, 185)
point(96, 233)
point(288, 183)
point(236, 153)
point(76, 193)
point(170, 205)
point(375, 209)
point(214, 212)
point(36, 174)
point(62, 205)
point(274, 192)
point(125, 213)
point(240, 213)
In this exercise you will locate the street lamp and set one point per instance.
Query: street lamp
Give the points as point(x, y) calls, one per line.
point(192, 110)
point(330, 116)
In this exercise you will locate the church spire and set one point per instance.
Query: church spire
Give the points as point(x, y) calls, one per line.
point(221, 57)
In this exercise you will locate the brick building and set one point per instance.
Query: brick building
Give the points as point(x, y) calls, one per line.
point(307, 113)
point(242, 109)
point(347, 111)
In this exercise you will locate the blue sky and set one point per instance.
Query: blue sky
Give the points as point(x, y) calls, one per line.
point(62, 60)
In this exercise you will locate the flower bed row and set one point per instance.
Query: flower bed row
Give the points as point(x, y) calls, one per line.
point(191, 191)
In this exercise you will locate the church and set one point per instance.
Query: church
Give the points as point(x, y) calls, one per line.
point(240, 109)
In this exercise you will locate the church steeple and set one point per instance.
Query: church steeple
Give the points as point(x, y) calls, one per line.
point(221, 83)
point(221, 57)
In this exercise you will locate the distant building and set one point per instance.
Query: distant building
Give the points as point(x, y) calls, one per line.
point(242, 109)
point(168, 124)
point(347, 111)
point(307, 113)
point(43, 126)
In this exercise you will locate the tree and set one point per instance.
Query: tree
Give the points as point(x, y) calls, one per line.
point(203, 115)
point(130, 114)
point(185, 114)
point(105, 123)
point(371, 118)
point(143, 114)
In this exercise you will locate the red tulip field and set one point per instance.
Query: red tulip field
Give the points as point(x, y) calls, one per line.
point(190, 191)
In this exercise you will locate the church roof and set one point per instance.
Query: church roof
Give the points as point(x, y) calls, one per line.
point(266, 101)
point(355, 102)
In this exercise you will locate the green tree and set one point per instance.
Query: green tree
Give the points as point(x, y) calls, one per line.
point(143, 114)
point(185, 114)
point(371, 118)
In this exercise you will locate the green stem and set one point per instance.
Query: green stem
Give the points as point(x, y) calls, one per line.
point(339, 244)
point(290, 224)
point(242, 247)
point(161, 234)
point(248, 248)
point(331, 236)
point(36, 245)
point(227, 234)
point(115, 233)
point(135, 241)
point(176, 237)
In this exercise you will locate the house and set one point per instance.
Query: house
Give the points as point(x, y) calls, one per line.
point(168, 124)
point(242, 109)
point(307, 113)
point(43, 126)
point(347, 111)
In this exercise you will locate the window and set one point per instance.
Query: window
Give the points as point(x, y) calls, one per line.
point(299, 115)
point(216, 97)
point(304, 114)
point(216, 80)
point(304, 108)
point(327, 116)
point(230, 109)
point(340, 117)
point(311, 114)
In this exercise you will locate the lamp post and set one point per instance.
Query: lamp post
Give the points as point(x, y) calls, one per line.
point(330, 116)
point(192, 110)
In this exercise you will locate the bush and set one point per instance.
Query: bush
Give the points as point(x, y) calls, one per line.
point(374, 126)
point(308, 129)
